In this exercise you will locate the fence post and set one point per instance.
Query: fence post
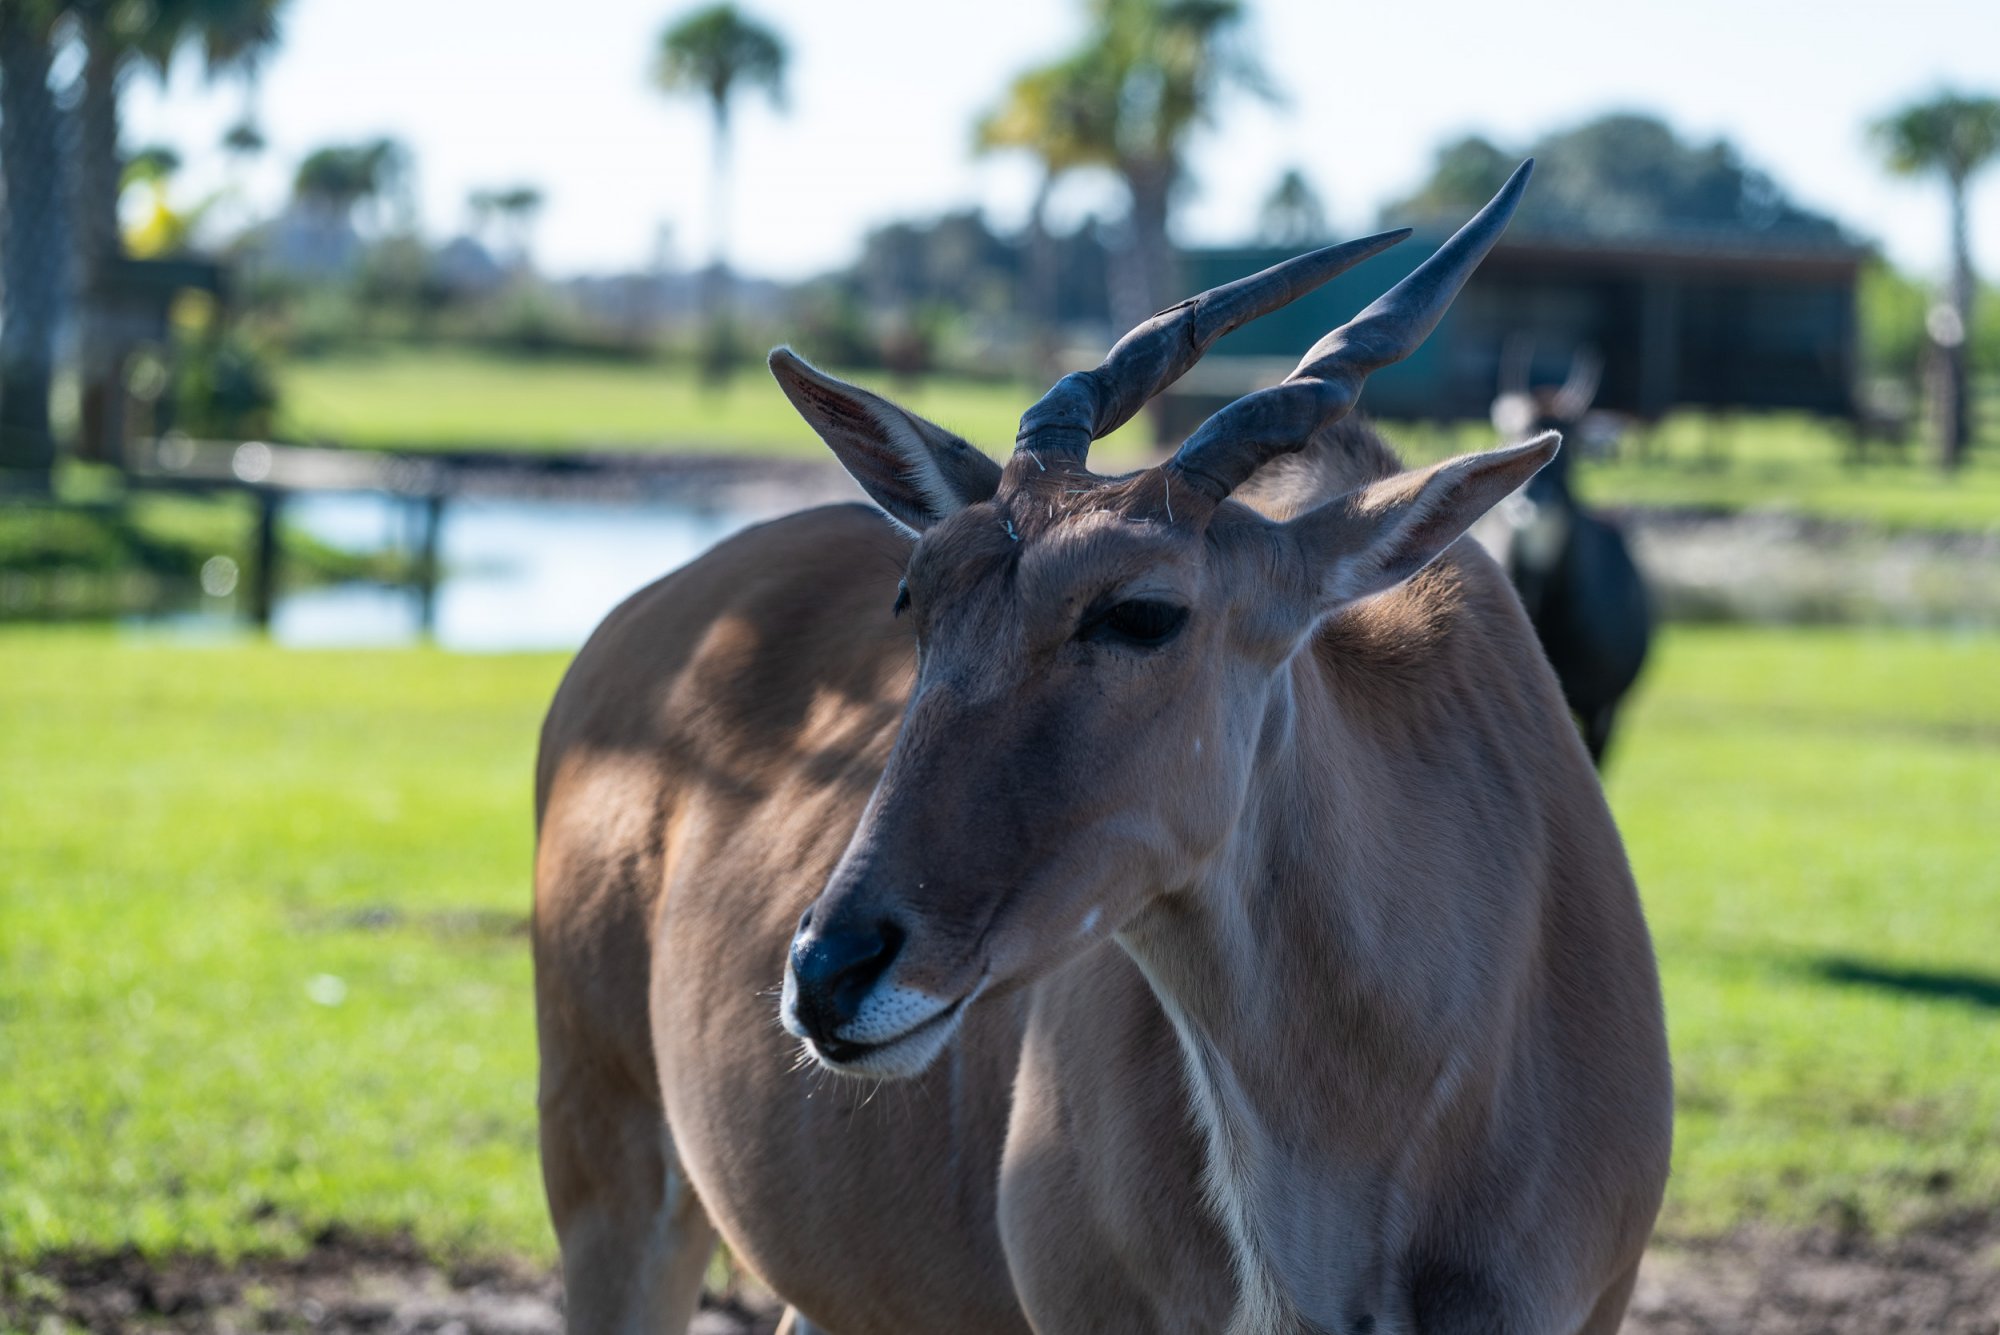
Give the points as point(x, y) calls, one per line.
point(264, 561)
point(427, 565)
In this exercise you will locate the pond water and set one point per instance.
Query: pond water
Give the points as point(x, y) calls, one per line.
point(516, 574)
point(537, 574)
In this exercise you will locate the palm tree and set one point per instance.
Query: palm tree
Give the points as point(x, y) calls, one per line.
point(338, 179)
point(1293, 214)
point(1952, 136)
point(519, 207)
point(243, 140)
point(31, 238)
point(516, 207)
point(233, 36)
point(241, 144)
point(1151, 72)
point(1060, 114)
point(1055, 114)
point(714, 53)
point(1175, 60)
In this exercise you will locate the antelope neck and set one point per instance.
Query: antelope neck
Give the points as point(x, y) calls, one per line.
point(1324, 1053)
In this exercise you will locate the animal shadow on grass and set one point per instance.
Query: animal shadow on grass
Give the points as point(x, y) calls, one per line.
point(1973, 989)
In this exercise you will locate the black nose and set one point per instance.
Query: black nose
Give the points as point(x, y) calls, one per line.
point(833, 971)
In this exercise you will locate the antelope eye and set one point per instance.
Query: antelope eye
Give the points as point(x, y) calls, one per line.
point(902, 600)
point(1144, 622)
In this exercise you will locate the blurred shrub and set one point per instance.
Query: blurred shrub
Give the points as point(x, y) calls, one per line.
point(317, 319)
point(830, 326)
point(1892, 320)
point(909, 341)
point(1893, 309)
point(214, 379)
point(223, 388)
point(399, 286)
point(528, 318)
point(40, 539)
point(524, 319)
point(1986, 331)
point(145, 554)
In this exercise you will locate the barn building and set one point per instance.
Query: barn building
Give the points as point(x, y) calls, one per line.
point(1720, 320)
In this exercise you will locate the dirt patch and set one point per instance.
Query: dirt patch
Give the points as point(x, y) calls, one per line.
point(445, 924)
point(344, 1285)
point(1943, 1279)
point(1761, 566)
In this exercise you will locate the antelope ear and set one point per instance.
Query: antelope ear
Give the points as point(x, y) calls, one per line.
point(1375, 538)
point(916, 470)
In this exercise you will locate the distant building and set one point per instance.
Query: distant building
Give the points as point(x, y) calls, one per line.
point(1722, 319)
point(466, 269)
point(304, 242)
point(646, 303)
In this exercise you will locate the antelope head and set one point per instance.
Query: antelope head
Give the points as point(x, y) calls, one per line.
point(1098, 658)
point(1521, 409)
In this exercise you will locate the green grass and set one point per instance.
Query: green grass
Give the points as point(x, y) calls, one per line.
point(198, 840)
point(1773, 462)
point(1814, 817)
point(1798, 466)
point(416, 397)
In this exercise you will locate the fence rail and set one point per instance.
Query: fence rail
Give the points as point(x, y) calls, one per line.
point(273, 473)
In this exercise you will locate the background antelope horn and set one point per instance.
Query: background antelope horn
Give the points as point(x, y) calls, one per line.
point(1241, 438)
point(1086, 405)
point(1517, 358)
point(1574, 398)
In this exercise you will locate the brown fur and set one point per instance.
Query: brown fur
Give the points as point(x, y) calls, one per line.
point(1344, 1019)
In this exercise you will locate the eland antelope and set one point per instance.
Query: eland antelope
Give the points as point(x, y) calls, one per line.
point(1572, 568)
point(1166, 902)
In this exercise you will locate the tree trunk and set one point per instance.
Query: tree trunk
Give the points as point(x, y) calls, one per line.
point(718, 353)
point(1042, 283)
point(101, 344)
point(1955, 389)
point(1143, 278)
point(31, 244)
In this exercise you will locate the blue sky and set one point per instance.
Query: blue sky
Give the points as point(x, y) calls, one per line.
point(883, 93)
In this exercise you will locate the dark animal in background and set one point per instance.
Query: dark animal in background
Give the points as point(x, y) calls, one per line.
point(1573, 569)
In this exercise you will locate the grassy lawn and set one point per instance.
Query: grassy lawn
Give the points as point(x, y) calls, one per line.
point(447, 398)
point(1771, 462)
point(1797, 465)
point(1812, 817)
point(261, 961)
point(442, 398)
